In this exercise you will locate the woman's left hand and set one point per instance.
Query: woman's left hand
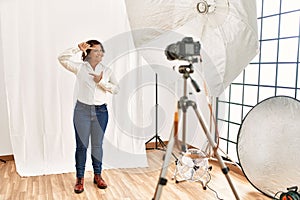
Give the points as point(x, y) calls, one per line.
point(97, 78)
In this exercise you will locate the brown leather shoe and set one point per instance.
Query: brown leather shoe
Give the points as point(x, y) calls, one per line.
point(99, 181)
point(79, 185)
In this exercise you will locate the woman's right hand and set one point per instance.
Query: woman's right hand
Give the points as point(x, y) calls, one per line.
point(83, 47)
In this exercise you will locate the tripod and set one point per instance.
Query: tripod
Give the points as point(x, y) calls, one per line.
point(156, 136)
point(183, 104)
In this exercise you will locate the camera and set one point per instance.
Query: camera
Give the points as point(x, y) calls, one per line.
point(186, 49)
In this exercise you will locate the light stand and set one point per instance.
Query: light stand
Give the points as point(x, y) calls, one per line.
point(156, 136)
point(183, 104)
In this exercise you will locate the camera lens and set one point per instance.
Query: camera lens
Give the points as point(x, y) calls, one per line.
point(171, 52)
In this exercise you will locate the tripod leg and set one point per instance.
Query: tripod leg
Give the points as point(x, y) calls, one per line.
point(162, 180)
point(224, 168)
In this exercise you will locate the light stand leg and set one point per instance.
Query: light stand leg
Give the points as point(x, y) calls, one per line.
point(157, 140)
point(224, 168)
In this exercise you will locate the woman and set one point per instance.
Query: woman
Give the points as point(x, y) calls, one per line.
point(94, 80)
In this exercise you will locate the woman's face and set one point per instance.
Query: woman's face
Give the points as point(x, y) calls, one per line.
point(95, 54)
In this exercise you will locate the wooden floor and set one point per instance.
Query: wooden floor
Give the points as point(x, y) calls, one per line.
point(124, 184)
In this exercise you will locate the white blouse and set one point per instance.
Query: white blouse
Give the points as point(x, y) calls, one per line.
point(89, 92)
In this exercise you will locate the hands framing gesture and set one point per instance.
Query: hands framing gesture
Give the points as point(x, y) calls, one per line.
point(84, 46)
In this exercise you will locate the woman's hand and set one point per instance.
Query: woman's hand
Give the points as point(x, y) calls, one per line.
point(83, 47)
point(97, 78)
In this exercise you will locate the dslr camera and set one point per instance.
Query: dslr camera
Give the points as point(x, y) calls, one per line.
point(186, 49)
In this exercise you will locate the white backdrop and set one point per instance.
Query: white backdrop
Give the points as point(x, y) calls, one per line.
point(5, 144)
point(40, 92)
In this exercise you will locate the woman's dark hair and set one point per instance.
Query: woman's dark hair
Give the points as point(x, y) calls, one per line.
point(91, 43)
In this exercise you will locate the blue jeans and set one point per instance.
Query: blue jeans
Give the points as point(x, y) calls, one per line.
point(89, 120)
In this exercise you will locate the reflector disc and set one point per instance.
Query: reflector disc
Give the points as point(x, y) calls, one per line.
point(268, 145)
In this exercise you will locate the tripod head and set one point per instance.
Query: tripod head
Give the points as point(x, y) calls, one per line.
point(186, 70)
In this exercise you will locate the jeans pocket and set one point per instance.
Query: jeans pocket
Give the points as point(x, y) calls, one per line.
point(101, 109)
point(79, 108)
